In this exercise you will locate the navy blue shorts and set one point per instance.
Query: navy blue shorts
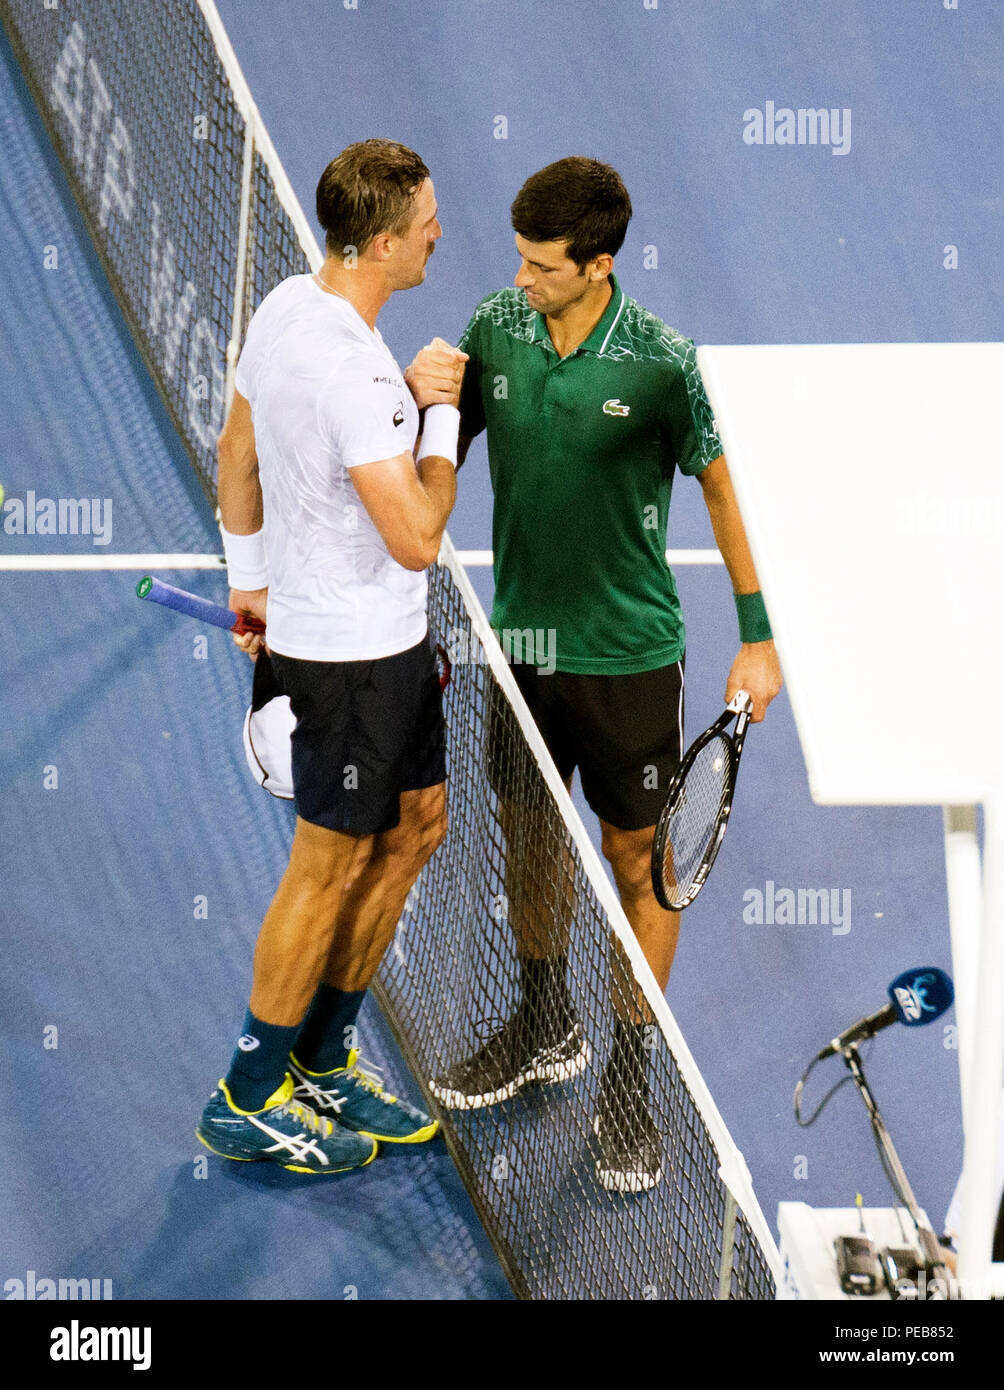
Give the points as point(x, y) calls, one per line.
point(623, 733)
point(366, 731)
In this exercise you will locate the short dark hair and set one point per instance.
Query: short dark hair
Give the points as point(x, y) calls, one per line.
point(367, 189)
point(577, 200)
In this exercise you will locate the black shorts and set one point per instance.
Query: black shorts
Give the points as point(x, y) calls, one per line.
point(365, 732)
point(623, 733)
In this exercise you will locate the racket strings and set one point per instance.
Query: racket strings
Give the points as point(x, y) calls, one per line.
point(694, 821)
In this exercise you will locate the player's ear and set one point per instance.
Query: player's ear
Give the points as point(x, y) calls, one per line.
point(601, 266)
point(382, 246)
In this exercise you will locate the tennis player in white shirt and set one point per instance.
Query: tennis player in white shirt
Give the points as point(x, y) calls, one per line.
point(329, 522)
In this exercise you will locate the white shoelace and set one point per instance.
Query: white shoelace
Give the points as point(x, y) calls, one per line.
point(298, 1145)
point(371, 1079)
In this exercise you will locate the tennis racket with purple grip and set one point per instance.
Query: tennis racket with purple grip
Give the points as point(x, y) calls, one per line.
point(206, 612)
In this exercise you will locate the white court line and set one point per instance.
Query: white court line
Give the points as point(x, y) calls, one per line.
point(470, 559)
point(146, 563)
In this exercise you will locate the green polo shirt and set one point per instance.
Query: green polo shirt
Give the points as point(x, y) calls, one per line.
point(582, 452)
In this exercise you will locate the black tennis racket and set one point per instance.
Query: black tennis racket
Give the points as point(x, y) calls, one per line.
point(693, 821)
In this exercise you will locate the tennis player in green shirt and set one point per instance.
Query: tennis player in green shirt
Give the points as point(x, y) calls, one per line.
point(592, 405)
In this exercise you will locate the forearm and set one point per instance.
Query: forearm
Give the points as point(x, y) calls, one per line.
point(438, 482)
point(727, 524)
point(436, 461)
point(756, 669)
point(730, 536)
point(239, 492)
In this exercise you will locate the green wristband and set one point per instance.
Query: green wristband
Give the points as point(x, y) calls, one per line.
point(754, 625)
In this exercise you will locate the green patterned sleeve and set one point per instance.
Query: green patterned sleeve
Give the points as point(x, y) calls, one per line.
point(472, 413)
point(691, 424)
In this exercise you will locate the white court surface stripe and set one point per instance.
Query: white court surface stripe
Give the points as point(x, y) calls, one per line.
point(146, 563)
point(475, 559)
point(871, 483)
point(469, 558)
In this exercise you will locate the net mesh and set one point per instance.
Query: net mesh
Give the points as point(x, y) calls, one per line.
point(505, 953)
point(509, 885)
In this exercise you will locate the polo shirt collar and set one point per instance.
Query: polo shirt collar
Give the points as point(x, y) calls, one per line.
point(601, 334)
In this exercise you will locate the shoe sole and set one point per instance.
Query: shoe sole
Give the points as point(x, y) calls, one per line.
point(613, 1180)
point(546, 1073)
point(291, 1167)
point(419, 1137)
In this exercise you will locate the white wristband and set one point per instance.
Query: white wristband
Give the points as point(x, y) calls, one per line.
point(247, 567)
point(440, 433)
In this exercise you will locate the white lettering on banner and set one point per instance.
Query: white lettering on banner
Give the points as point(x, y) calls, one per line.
point(101, 106)
point(79, 91)
point(205, 346)
point(102, 148)
point(67, 90)
point(118, 183)
point(168, 316)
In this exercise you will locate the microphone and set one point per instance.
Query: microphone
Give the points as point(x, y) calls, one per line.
point(916, 997)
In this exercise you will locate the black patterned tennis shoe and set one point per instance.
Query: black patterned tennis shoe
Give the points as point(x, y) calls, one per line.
point(513, 1057)
point(630, 1146)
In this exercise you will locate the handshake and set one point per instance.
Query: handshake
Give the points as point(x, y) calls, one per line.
point(436, 375)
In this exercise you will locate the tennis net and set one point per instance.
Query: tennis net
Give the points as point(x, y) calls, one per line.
point(195, 221)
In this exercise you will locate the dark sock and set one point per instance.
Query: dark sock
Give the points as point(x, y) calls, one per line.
point(627, 1069)
point(260, 1062)
point(545, 993)
point(322, 1044)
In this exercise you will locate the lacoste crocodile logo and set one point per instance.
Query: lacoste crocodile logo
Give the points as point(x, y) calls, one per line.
point(615, 408)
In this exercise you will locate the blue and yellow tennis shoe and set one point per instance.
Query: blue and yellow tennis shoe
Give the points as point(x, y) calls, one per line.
point(354, 1096)
point(284, 1131)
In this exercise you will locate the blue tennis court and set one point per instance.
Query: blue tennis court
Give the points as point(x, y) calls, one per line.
point(138, 857)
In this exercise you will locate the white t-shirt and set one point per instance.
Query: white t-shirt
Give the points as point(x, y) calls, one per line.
point(326, 395)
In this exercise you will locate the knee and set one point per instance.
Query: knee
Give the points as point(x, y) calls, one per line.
point(321, 860)
point(629, 854)
point(420, 834)
point(431, 833)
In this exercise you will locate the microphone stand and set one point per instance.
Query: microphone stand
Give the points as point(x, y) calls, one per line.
point(934, 1263)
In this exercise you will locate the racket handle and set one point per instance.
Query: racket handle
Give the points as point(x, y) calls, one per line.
point(156, 591)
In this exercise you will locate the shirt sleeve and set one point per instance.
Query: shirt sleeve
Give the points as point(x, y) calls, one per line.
point(244, 374)
point(691, 426)
point(472, 411)
point(361, 413)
